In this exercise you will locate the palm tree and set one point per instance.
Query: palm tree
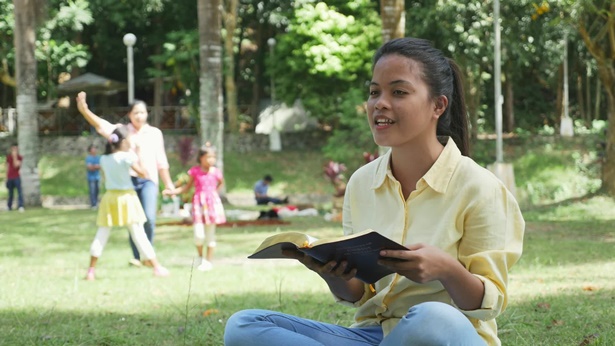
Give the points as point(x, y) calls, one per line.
point(210, 57)
point(393, 15)
point(27, 12)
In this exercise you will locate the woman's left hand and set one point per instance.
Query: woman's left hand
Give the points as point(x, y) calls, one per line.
point(421, 263)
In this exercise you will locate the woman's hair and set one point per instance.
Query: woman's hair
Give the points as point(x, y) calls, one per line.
point(134, 103)
point(442, 77)
point(204, 150)
point(115, 139)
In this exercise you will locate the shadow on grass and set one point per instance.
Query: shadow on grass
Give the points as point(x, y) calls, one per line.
point(560, 318)
point(197, 325)
point(565, 202)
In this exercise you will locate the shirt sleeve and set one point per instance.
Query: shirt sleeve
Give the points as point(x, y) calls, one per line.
point(131, 158)
point(106, 128)
point(492, 243)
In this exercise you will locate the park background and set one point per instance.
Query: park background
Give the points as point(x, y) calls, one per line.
point(283, 51)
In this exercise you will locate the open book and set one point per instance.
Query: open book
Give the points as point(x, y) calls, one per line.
point(361, 250)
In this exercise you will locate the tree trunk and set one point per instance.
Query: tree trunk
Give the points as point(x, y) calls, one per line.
point(580, 96)
point(608, 168)
point(588, 96)
point(602, 48)
point(473, 89)
point(393, 16)
point(559, 109)
point(509, 109)
point(598, 99)
point(230, 23)
point(27, 115)
point(210, 97)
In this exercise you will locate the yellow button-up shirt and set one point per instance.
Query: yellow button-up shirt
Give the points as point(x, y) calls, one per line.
point(459, 207)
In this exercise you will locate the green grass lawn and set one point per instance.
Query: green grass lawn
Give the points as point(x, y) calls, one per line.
point(562, 291)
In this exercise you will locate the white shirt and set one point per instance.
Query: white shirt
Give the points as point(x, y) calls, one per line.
point(116, 169)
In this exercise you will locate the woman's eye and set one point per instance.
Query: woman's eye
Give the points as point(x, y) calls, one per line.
point(373, 92)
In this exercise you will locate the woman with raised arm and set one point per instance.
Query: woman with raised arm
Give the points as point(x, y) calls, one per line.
point(148, 143)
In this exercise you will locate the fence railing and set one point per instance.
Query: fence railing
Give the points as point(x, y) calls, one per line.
point(68, 121)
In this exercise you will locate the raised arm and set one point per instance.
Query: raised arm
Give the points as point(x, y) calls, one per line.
point(102, 126)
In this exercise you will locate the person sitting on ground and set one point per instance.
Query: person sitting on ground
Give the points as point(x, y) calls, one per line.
point(260, 192)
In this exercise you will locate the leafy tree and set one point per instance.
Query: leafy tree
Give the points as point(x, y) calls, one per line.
point(595, 22)
point(325, 52)
point(229, 17)
point(6, 46)
point(57, 46)
point(56, 50)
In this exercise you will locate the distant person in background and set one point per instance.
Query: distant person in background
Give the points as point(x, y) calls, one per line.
point(207, 209)
point(148, 143)
point(260, 192)
point(92, 164)
point(13, 179)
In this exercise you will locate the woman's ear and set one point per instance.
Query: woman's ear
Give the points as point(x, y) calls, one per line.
point(440, 105)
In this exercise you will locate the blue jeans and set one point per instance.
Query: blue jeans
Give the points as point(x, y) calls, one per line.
point(431, 323)
point(93, 188)
point(11, 185)
point(148, 195)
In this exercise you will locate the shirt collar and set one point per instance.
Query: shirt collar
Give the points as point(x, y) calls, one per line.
point(439, 175)
point(133, 129)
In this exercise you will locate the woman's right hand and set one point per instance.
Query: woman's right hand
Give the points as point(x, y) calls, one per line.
point(331, 269)
point(81, 101)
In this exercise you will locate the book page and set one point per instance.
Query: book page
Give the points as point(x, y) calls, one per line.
point(273, 246)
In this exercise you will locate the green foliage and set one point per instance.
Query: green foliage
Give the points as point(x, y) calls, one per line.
point(324, 53)
point(56, 49)
point(352, 136)
point(179, 63)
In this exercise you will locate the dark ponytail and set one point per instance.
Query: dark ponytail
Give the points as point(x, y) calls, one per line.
point(115, 139)
point(443, 77)
point(458, 116)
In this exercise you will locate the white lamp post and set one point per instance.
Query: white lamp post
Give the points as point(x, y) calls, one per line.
point(275, 142)
point(504, 171)
point(129, 41)
point(566, 129)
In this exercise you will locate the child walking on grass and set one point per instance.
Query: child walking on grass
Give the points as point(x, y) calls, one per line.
point(120, 204)
point(207, 209)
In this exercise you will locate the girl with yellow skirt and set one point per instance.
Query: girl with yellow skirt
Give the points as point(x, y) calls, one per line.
point(120, 204)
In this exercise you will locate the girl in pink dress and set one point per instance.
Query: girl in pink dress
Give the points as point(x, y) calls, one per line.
point(207, 209)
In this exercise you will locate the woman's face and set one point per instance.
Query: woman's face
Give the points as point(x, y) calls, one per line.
point(400, 109)
point(138, 115)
